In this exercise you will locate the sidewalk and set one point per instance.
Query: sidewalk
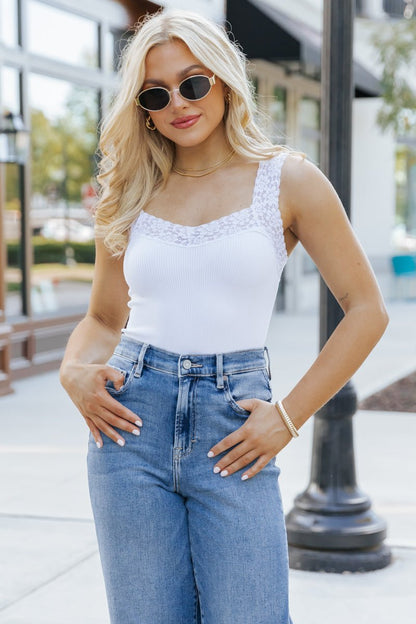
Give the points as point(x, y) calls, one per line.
point(49, 566)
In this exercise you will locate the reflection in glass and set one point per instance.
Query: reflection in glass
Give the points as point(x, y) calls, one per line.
point(310, 113)
point(310, 135)
point(115, 42)
point(8, 22)
point(277, 113)
point(64, 120)
point(12, 215)
point(64, 36)
point(255, 82)
point(311, 147)
point(11, 208)
point(10, 90)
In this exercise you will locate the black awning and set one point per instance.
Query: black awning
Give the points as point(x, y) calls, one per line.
point(265, 32)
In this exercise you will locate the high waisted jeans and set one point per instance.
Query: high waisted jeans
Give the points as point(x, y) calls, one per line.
point(178, 543)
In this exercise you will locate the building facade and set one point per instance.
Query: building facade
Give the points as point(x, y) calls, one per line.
point(58, 64)
point(58, 70)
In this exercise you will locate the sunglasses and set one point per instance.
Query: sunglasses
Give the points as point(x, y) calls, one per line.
point(157, 98)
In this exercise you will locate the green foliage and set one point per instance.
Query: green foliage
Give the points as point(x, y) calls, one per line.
point(50, 252)
point(396, 45)
point(63, 148)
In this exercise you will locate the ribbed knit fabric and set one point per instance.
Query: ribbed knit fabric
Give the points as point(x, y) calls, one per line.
point(208, 288)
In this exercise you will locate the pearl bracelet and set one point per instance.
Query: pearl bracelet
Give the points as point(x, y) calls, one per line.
point(286, 419)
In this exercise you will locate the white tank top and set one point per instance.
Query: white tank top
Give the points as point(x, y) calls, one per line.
point(208, 288)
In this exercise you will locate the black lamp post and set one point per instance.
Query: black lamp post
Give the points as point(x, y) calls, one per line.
point(14, 149)
point(332, 527)
point(14, 139)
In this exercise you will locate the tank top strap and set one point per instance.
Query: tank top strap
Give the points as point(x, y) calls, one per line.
point(267, 193)
point(268, 181)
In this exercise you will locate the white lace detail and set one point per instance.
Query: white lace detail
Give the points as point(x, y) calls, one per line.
point(263, 214)
point(268, 213)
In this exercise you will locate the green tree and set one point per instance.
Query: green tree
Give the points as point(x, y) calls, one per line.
point(396, 45)
point(46, 153)
point(63, 148)
point(78, 132)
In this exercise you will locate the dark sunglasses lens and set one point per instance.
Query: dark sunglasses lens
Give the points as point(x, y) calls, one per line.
point(195, 87)
point(154, 99)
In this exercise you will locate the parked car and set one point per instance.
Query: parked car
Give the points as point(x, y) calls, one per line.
point(61, 229)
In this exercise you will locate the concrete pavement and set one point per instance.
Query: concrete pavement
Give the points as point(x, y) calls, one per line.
point(49, 566)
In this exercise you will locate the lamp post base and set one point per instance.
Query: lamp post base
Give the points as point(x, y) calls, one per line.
point(339, 561)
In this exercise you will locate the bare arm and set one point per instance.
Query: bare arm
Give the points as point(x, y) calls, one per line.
point(93, 339)
point(313, 214)
point(83, 371)
point(318, 220)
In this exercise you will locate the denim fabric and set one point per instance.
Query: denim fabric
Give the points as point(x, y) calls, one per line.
point(178, 543)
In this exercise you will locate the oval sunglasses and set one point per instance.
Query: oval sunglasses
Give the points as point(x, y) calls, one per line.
point(157, 98)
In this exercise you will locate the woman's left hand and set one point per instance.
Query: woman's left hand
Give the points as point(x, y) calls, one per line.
point(262, 436)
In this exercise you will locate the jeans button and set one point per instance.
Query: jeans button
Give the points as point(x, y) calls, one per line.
point(187, 364)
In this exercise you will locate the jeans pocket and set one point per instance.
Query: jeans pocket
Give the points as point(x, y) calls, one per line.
point(124, 366)
point(246, 385)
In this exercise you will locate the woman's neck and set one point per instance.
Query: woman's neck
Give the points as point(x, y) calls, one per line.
point(203, 155)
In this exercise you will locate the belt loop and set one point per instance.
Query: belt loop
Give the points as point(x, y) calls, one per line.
point(266, 355)
point(220, 371)
point(139, 367)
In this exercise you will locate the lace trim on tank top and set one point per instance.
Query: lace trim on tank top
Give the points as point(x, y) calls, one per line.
point(263, 211)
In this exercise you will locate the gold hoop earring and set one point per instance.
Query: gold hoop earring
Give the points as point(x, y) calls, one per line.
point(149, 123)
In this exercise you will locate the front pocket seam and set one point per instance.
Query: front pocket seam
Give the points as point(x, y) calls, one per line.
point(231, 401)
point(267, 379)
point(125, 385)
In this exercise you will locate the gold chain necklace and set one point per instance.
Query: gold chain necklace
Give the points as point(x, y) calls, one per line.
point(198, 173)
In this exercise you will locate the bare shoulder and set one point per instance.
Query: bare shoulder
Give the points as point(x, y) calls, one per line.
point(301, 179)
point(305, 190)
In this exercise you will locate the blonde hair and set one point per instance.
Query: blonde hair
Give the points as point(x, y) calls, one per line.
point(135, 162)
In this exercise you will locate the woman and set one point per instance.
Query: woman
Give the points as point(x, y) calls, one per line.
point(197, 216)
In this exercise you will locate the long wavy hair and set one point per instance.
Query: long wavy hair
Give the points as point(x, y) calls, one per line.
point(136, 162)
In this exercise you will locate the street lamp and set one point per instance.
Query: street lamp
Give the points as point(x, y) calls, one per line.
point(332, 527)
point(14, 139)
point(14, 149)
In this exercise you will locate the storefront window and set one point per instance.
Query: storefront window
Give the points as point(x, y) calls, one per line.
point(64, 119)
point(12, 212)
point(10, 92)
point(8, 22)
point(277, 112)
point(255, 83)
point(115, 41)
point(310, 135)
point(12, 234)
point(61, 35)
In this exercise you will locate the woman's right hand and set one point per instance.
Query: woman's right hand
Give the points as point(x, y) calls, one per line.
point(85, 384)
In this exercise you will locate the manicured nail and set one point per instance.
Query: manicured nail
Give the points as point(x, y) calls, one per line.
point(139, 423)
point(98, 443)
point(210, 453)
point(120, 442)
point(244, 477)
point(224, 473)
point(217, 469)
point(136, 432)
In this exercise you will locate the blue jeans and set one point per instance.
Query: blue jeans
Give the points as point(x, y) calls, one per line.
point(178, 543)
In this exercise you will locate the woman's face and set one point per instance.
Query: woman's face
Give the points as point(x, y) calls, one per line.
point(184, 122)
